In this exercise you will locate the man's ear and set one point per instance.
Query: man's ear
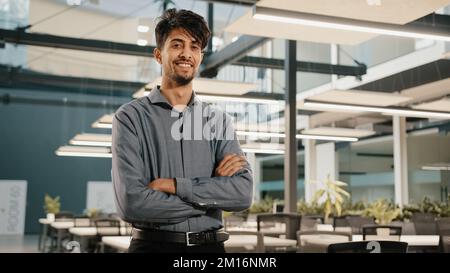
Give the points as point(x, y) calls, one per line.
point(157, 54)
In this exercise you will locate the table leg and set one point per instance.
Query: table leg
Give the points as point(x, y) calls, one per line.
point(43, 239)
point(58, 240)
point(40, 237)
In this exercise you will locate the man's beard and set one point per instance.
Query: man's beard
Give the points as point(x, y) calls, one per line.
point(180, 80)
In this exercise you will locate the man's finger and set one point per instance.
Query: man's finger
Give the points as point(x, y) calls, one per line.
point(233, 170)
point(230, 167)
point(231, 162)
point(225, 159)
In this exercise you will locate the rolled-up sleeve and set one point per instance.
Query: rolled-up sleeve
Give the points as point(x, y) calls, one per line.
point(229, 193)
point(134, 200)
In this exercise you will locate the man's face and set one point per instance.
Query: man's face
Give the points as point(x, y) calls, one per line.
point(180, 56)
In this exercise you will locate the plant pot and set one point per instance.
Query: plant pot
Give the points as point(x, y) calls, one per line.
point(51, 217)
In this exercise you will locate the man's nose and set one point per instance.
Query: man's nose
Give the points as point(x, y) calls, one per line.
point(186, 53)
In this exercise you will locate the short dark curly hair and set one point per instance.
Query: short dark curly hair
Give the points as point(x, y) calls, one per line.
point(193, 23)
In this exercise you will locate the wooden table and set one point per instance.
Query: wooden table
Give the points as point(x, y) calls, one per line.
point(250, 241)
point(412, 240)
point(118, 242)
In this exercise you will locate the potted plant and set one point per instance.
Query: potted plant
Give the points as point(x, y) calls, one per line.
point(383, 211)
point(51, 206)
point(332, 196)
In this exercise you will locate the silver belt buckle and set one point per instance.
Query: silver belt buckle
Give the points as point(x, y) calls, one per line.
point(187, 239)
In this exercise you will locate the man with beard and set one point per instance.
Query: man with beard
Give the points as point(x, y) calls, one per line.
point(172, 188)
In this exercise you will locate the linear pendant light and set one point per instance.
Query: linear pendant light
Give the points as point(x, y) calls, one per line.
point(242, 99)
point(340, 23)
point(80, 151)
point(383, 110)
point(437, 167)
point(104, 122)
point(298, 136)
point(262, 151)
point(103, 140)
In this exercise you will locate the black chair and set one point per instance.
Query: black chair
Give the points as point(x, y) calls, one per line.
point(340, 221)
point(356, 222)
point(443, 229)
point(291, 222)
point(369, 247)
point(424, 223)
point(381, 232)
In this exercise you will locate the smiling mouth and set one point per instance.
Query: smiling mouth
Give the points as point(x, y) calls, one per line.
point(184, 65)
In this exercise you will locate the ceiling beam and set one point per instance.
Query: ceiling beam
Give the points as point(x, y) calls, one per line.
point(12, 77)
point(312, 67)
point(47, 40)
point(229, 54)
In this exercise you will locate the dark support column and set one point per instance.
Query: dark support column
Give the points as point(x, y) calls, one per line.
point(290, 156)
point(211, 25)
point(445, 185)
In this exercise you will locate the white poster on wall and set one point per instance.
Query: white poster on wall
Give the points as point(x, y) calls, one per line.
point(100, 195)
point(13, 198)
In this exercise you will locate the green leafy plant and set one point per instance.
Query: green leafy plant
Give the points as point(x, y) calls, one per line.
point(440, 209)
point(356, 208)
point(313, 208)
point(383, 211)
point(264, 205)
point(93, 212)
point(51, 205)
point(333, 195)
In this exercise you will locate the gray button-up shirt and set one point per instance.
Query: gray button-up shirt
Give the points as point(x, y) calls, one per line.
point(151, 139)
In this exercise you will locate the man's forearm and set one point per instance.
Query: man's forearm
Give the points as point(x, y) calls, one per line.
point(232, 193)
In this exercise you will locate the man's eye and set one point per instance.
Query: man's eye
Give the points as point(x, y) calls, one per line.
point(176, 45)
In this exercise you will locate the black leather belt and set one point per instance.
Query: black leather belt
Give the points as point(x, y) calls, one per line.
point(187, 238)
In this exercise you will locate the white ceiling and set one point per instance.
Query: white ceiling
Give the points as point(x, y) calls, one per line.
point(427, 92)
point(438, 105)
point(359, 97)
point(389, 11)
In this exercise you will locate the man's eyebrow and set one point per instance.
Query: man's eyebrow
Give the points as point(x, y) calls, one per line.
point(177, 40)
point(182, 40)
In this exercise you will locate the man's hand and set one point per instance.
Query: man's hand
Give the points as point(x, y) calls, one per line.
point(166, 185)
point(230, 164)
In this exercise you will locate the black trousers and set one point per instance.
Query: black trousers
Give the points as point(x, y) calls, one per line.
point(144, 246)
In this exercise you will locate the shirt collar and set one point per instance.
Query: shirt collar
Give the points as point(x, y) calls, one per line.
point(155, 96)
